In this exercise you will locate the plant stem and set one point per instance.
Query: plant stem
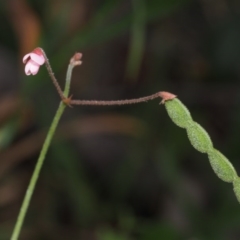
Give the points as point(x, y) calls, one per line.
point(115, 102)
point(52, 76)
point(40, 161)
point(36, 172)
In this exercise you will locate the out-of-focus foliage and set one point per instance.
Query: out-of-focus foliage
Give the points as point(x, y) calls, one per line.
point(120, 172)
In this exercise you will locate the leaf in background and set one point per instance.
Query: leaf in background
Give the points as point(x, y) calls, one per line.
point(93, 35)
point(26, 24)
point(7, 133)
point(137, 39)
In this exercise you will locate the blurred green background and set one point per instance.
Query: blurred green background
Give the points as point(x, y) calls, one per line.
point(120, 173)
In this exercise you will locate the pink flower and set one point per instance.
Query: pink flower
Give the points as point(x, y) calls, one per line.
point(33, 61)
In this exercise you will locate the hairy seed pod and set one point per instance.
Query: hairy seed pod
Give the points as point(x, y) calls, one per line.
point(199, 138)
point(178, 113)
point(201, 141)
point(236, 188)
point(221, 166)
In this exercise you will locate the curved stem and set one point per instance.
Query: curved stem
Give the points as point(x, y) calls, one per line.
point(115, 102)
point(52, 76)
point(40, 161)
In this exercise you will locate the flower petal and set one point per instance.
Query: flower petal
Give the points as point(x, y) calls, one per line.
point(26, 57)
point(34, 68)
point(31, 68)
point(39, 59)
point(27, 68)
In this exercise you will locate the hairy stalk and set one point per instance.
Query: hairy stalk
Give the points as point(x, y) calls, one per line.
point(115, 102)
point(52, 76)
point(40, 161)
point(75, 61)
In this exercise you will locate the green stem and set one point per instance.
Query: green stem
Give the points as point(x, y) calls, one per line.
point(40, 161)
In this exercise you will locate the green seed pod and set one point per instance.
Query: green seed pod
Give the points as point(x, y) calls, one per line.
point(236, 188)
point(199, 138)
point(221, 166)
point(201, 141)
point(178, 113)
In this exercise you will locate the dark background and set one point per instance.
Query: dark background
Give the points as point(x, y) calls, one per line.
point(116, 173)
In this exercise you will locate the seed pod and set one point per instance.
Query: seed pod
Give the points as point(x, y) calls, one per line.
point(221, 166)
point(199, 138)
point(178, 112)
point(236, 188)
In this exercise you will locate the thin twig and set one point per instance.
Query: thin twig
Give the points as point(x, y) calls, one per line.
point(51, 74)
point(164, 95)
point(76, 60)
point(114, 102)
